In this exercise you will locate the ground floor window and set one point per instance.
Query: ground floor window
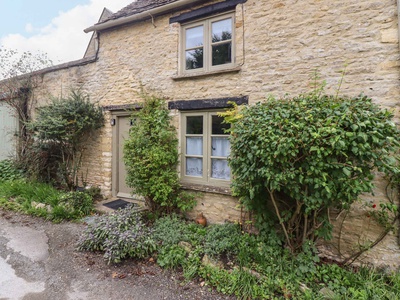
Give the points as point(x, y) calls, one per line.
point(205, 148)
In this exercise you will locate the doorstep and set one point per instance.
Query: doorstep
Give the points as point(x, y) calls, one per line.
point(101, 208)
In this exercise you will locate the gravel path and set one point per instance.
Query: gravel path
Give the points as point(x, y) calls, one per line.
point(38, 260)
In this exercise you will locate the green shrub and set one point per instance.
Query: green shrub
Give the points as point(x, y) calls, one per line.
point(294, 158)
point(171, 257)
point(62, 129)
point(151, 158)
point(222, 239)
point(80, 203)
point(120, 235)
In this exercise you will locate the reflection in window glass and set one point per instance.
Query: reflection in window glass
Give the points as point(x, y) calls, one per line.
point(194, 166)
point(220, 146)
point(218, 127)
point(194, 37)
point(220, 169)
point(222, 54)
point(194, 59)
point(194, 145)
point(194, 125)
point(222, 30)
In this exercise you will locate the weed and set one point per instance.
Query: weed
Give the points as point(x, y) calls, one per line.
point(8, 171)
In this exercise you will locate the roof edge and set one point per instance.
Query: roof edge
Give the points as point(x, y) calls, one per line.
point(140, 16)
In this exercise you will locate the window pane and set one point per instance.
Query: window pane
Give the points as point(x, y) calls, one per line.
point(194, 59)
point(222, 54)
point(220, 169)
point(194, 37)
point(194, 166)
point(217, 126)
point(222, 30)
point(194, 145)
point(194, 125)
point(220, 146)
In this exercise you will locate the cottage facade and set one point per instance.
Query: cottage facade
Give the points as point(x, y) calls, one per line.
point(201, 54)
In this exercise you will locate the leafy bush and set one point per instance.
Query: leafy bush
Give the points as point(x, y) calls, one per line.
point(62, 128)
point(81, 203)
point(9, 171)
point(222, 238)
point(182, 231)
point(120, 235)
point(298, 157)
point(151, 159)
point(171, 257)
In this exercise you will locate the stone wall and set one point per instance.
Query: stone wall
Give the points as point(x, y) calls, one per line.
point(279, 46)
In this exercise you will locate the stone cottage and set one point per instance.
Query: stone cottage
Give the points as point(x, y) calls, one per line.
point(201, 54)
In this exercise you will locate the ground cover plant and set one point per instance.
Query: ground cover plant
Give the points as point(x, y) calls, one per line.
point(241, 264)
point(40, 199)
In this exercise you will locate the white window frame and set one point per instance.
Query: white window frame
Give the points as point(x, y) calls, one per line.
point(207, 45)
point(206, 178)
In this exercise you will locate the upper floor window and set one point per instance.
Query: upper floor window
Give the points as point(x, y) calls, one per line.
point(208, 45)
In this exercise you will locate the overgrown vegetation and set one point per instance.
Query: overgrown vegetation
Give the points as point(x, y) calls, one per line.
point(62, 129)
point(248, 266)
point(40, 199)
point(151, 158)
point(294, 159)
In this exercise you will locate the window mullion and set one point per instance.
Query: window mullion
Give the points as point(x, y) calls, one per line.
point(207, 45)
point(206, 151)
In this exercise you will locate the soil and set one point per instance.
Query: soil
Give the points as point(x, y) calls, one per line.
point(70, 274)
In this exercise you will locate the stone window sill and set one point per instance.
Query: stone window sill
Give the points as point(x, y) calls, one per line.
point(204, 74)
point(206, 188)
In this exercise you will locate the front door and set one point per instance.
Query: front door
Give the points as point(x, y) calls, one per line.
point(121, 133)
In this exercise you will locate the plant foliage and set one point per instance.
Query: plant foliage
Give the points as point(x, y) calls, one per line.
point(9, 171)
point(43, 200)
point(120, 235)
point(301, 156)
point(62, 128)
point(151, 158)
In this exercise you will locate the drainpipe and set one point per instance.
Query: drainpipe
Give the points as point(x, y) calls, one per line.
point(398, 19)
point(141, 16)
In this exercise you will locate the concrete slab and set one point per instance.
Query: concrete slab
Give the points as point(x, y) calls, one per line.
point(9, 280)
point(28, 242)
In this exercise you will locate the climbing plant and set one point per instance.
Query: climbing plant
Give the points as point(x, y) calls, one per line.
point(151, 158)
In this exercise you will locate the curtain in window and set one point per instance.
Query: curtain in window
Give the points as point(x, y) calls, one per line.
point(220, 169)
point(194, 166)
point(220, 146)
point(194, 146)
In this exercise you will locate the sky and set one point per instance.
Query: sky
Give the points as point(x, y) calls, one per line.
point(54, 27)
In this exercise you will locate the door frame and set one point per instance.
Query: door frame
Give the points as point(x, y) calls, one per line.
point(116, 115)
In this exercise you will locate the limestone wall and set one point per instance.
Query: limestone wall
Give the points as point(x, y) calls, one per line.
point(279, 45)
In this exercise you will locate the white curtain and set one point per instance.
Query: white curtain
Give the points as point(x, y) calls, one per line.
point(194, 145)
point(220, 169)
point(220, 146)
point(194, 166)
